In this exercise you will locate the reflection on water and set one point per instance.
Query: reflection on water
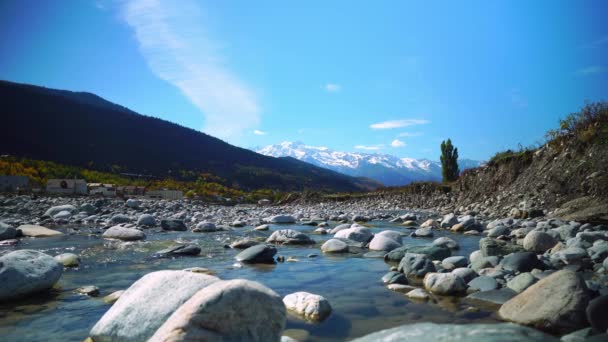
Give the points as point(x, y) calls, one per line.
point(351, 283)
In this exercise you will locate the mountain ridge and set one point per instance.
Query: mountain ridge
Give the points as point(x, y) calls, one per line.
point(83, 129)
point(385, 168)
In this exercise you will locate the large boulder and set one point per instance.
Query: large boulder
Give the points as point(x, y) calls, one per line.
point(334, 246)
point(483, 283)
point(521, 262)
point(289, 237)
point(146, 220)
point(88, 208)
point(173, 224)
point(52, 211)
point(465, 273)
point(179, 250)
point(7, 232)
point(232, 310)
point(498, 231)
point(281, 219)
point(147, 304)
point(391, 234)
point(133, 203)
point(555, 304)
point(597, 313)
point(258, 254)
point(27, 271)
point(205, 227)
point(423, 232)
point(244, 243)
point(62, 215)
point(569, 256)
point(124, 233)
point(37, 231)
point(455, 262)
point(415, 267)
point(458, 333)
point(494, 247)
point(599, 251)
point(355, 233)
point(433, 252)
point(467, 222)
point(521, 282)
point(430, 223)
point(385, 242)
point(539, 242)
point(492, 297)
point(393, 277)
point(446, 242)
point(359, 218)
point(310, 306)
point(484, 262)
point(444, 284)
point(120, 218)
point(448, 221)
point(339, 228)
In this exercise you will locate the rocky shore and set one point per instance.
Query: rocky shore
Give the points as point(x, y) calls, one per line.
point(545, 275)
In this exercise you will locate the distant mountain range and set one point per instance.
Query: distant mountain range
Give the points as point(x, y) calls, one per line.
point(384, 168)
point(83, 129)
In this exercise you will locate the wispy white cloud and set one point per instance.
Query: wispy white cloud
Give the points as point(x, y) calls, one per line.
point(397, 143)
point(332, 87)
point(258, 132)
point(398, 123)
point(409, 134)
point(370, 148)
point(173, 40)
point(590, 70)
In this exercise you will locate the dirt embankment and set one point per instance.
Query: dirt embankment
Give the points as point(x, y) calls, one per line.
point(564, 180)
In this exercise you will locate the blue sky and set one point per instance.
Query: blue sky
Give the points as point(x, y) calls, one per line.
point(391, 77)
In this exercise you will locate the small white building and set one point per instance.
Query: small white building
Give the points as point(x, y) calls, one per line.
point(165, 194)
point(67, 186)
point(13, 183)
point(100, 189)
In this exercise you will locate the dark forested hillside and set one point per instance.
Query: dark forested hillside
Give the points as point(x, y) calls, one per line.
point(83, 129)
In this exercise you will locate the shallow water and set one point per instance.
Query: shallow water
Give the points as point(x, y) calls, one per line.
point(361, 303)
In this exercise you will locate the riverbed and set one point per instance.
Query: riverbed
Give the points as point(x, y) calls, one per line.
point(351, 282)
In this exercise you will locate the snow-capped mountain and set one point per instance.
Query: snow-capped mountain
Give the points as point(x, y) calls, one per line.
point(387, 169)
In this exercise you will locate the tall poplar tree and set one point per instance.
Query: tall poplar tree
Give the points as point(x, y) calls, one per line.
point(449, 161)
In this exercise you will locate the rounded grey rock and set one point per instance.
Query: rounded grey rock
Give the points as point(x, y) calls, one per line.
point(27, 271)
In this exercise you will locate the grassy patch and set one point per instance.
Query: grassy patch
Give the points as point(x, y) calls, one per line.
point(588, 126)
point(523, 154)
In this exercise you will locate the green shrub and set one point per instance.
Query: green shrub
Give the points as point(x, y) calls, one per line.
point(587, 126)
point(523, 155)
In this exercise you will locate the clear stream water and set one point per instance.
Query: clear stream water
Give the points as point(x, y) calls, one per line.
point(361, 303)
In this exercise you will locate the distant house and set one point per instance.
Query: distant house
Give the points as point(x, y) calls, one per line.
point(165, 194)
point(67, 186)
point(13, 183)
point(100, 189)
point(131, 190)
